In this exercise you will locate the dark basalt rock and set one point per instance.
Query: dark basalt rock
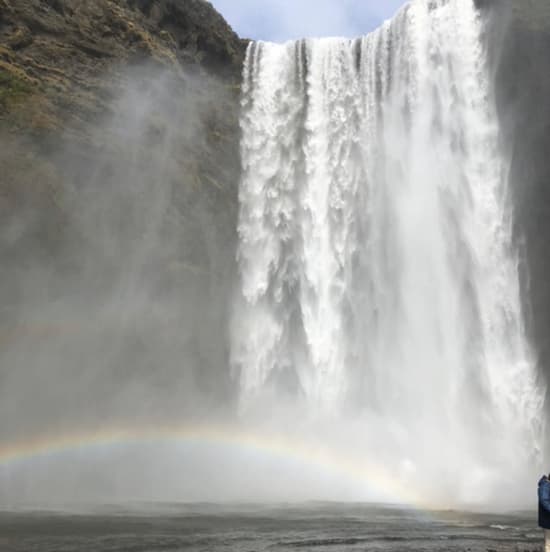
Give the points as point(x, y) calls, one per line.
point(65, 47)
point(521, 46)
point(199, 32)
point(63, 64)
point(106, 105)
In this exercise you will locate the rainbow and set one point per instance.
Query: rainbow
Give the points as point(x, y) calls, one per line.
point(280, 446)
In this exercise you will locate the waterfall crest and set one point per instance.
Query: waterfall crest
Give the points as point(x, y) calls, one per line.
point(378, 275)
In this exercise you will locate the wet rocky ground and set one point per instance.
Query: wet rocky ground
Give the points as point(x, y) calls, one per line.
point(319, 527)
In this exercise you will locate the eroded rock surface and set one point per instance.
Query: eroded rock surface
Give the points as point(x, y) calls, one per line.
point(119, 161)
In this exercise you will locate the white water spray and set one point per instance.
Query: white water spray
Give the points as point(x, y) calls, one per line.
point(379, 278)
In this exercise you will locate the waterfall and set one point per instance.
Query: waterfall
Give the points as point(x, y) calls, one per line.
point(379, 280)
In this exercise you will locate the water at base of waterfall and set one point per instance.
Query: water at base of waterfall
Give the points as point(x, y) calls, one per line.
point(256, 528)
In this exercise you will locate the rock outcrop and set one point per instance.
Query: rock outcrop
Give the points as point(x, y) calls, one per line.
point(60, 51)
point(521, 44)
point(64, 63)
point(119, 158)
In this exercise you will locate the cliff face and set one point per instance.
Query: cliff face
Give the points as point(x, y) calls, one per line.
point(65, 65)
point(60, 51)
point(119, 152)
point(521, 42)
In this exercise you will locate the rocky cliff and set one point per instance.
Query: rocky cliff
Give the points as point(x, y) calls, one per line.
point(119, 154)
point(521, 44)
point(64, 63)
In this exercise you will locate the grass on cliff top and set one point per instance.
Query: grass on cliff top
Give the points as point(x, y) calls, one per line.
point(13, 89)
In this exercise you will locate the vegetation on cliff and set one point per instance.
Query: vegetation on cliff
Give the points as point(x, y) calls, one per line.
point(119, 154)
point(64, 64)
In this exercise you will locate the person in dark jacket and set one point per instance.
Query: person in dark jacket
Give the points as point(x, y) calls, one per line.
point(544, 509)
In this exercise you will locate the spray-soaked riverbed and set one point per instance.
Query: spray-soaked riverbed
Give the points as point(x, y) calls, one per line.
point(252, 529)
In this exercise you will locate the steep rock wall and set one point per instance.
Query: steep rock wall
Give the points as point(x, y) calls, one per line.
point(521, 41)
point(119, 151)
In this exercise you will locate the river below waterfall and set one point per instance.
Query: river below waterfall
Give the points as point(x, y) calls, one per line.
point(319, 527)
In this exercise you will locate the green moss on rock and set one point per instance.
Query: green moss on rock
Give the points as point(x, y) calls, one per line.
point(13, 89)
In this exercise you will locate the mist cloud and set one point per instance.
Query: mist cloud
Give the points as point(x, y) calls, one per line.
point(113, 320)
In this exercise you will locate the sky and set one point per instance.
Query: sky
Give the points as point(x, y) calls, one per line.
point(280, 20)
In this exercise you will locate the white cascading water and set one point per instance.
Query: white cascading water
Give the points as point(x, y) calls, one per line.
point(379, 282)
